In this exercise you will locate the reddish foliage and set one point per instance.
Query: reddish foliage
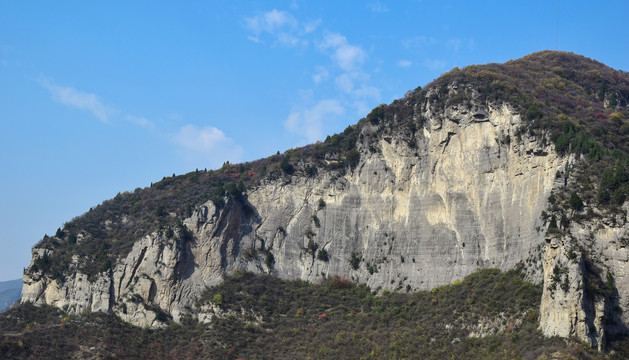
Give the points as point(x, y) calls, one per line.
point(336, 282)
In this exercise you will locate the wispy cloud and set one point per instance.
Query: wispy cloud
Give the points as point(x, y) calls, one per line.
point(346, 84)
point(207, 146)
point(348, 57)
point(80, 100)
point(351, 81)
point(283, 27)
point(311, 26)
point(321, 74)
point(434, 64)
point(309, 122)
point(140, 121)
point(270, 21)
point(404, 63)
point(378, 7)
point(312, 118)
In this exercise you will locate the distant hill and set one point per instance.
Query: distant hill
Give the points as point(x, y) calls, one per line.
point(9, 293)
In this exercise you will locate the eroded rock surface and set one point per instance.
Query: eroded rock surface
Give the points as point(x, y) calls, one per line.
point(465, 195)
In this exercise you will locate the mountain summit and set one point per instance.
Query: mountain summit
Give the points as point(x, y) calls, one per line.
point(515, 165)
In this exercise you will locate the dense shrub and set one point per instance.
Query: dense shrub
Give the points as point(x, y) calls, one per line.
point(334, 319)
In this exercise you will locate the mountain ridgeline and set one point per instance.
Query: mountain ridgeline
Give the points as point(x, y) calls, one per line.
point(521, 165)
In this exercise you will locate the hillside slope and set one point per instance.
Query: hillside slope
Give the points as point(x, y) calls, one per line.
point(476, 170)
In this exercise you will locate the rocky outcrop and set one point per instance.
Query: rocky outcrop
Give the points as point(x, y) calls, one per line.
point(585, 280)
point(568, 309)
point(466, 193)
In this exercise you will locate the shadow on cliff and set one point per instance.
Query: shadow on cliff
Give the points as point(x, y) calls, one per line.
point(596, 289)
point(186, 265)
point(236, 221)
point(616, 331)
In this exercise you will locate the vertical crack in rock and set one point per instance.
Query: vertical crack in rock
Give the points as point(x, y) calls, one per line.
point(137, 265)
point(112, 290)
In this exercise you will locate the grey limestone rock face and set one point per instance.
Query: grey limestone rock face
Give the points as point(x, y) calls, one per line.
point(418, 216)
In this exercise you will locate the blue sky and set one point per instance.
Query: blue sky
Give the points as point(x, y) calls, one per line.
point(101, 97)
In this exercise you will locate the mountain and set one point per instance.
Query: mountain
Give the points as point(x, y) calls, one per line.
point(9, 293)
point(520, 165)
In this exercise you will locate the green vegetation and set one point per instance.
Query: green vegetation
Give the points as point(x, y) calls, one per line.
point(335, 319)
point(575, 201)
point(323, 255)
point(321, 204)
point(269, 260)
point(354, 260)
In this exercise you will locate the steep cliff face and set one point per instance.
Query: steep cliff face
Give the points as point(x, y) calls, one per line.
point(436, 185)
point(416, 216)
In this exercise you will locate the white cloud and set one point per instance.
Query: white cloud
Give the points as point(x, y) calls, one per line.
point(311, 26)
point(404, 63)
point(332, 40)
point(434, 64)
point(362, 108)
point(309, 123)
point(270, 21)
point(344, 83)
point(73, 98)
point(254, 39)
point(366, 91)
point(351, 83)
point(348, 57)
point(207, 145)
point(347, 84)
point(288, 39)
point(281, 26)
point(320, 75)
point(378, 7)
point(140, 121)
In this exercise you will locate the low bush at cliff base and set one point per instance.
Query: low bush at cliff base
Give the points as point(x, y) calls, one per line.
point(489, 315)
